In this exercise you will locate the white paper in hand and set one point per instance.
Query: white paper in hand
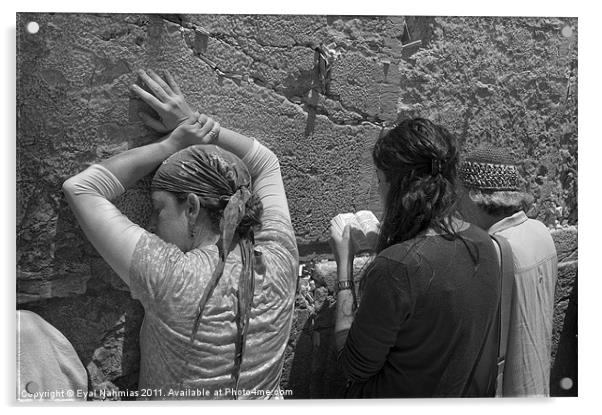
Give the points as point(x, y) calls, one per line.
point(364, 229)
point(370, 227)
point(339, 222)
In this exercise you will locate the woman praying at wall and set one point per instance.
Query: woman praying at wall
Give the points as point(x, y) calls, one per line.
point(428, 300)
point(216, 273)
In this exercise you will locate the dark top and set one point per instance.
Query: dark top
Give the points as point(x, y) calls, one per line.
point(423, 318)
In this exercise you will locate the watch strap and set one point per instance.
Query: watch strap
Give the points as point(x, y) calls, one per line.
point(343, 285)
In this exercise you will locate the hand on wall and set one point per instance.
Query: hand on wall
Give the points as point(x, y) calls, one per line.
point(166, 99)
point(194, 130)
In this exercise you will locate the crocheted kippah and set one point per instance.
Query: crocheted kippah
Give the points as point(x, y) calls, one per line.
point(488, 168)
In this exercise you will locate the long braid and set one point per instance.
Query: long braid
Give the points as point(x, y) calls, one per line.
point(246, 288)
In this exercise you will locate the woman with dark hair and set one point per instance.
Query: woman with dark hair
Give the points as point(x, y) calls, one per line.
point(217, 275)
point(429, 298)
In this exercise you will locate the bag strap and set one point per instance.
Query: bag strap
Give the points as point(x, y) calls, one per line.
point(507, 288)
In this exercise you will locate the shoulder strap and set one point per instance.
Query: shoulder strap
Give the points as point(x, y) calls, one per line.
point(507, 287)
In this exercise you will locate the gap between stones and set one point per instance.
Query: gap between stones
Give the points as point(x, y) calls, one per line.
point(358, 117)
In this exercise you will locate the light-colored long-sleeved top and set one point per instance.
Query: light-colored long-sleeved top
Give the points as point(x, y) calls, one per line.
point(527, 368)
point(169, 283)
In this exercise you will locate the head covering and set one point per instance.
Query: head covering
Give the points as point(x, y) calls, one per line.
point(221, 181)
point(208, 171)
point(489, 168)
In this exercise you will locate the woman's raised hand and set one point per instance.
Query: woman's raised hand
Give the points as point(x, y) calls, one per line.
point(166, 99)
point(198, 129)
point(341, 240)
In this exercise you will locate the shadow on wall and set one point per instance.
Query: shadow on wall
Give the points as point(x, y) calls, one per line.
point(563, 377)
point(312, 371)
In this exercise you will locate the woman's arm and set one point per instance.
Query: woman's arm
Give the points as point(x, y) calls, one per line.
point(384, 308)
point(112, 234)
point(343, 252)
point(169, 102)
point(89, 193)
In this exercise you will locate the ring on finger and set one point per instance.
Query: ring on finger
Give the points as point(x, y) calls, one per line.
point(212, 135)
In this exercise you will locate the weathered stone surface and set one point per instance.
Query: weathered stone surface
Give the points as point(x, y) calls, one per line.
point(566, 284)
point(510, 81)
point(565, 240)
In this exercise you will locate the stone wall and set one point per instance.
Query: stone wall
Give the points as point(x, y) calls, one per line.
point(318, 90)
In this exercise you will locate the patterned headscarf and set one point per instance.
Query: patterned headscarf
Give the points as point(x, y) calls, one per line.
point(221, 181)
point(489, 168)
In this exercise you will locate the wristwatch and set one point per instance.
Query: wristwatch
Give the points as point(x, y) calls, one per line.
point(343, 285)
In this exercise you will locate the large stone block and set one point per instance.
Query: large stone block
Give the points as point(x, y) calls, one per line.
point(566, 240)
point(565, 293)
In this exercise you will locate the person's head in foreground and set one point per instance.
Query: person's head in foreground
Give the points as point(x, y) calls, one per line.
point(416, 167)
point(491, 186)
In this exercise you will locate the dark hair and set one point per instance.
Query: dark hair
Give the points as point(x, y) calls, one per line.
point(418, 159)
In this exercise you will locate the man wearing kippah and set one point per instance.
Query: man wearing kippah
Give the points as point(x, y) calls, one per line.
point(493, 201)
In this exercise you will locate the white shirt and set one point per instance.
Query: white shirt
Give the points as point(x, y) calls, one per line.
point(527, 368)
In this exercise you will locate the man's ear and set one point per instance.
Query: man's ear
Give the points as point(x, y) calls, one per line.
point(193, 207)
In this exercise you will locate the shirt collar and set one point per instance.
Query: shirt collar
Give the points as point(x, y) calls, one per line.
point(509, 222)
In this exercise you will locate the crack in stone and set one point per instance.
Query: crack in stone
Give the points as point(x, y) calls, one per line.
point(566, 264)
point(359, 117)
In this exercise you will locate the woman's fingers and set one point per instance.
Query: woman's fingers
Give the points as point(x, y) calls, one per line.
point(214, 133)
point(150, 99)
point(153, 85)
point(346, 236)
point(208, 131)
point(192, 120)
point(153, 123)
point(171, 82)
point(333, 233)
point(205, 128)
point(166, 88)
point(202, 119)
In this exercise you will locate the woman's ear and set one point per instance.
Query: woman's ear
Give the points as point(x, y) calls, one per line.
point(193, 208)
